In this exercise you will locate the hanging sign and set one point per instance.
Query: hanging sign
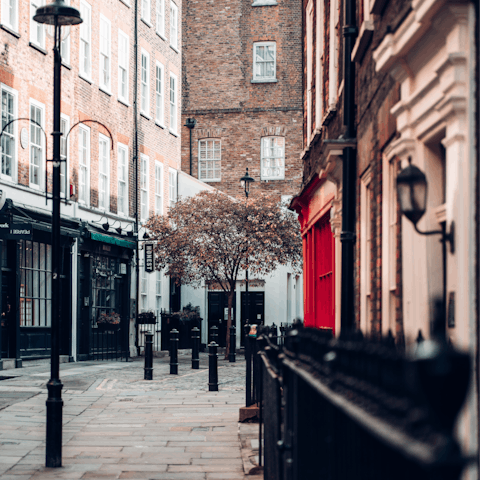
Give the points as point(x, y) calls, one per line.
point(149, 261)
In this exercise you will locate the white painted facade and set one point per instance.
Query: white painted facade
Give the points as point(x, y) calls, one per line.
point(432, 56)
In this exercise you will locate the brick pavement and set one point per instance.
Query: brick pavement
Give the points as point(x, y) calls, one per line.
point(119, 426)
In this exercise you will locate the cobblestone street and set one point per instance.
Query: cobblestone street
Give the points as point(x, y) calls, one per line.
point(117, 425)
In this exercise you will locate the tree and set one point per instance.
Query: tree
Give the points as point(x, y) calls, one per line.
point(213, 237)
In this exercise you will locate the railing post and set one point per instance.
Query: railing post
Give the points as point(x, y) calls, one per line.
point(174, 352)
point(233, 344)
point(148, 357)
point(248, 372)
point(195, 348)
point(212, 368)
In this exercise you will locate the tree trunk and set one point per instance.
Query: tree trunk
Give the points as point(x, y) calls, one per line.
point(231, 293)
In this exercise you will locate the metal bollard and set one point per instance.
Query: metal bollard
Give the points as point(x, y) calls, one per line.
point(212, 367)
point(148, 357)
point(214, 334)
point(195, 348)
point(174, 352)
point(233, 344)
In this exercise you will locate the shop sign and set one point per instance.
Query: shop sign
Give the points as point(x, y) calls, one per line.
point(149, 261)
point(15, 231)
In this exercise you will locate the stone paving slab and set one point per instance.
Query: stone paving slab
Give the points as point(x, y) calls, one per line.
point(119, 426)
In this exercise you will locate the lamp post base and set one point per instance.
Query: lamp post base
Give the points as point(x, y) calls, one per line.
point(54, 404)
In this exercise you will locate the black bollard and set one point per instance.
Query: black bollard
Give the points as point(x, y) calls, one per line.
point(214, 334)
point(174, 352)
point(212, 367)
point(148, 357)
point(233, 344)
point(195, 348)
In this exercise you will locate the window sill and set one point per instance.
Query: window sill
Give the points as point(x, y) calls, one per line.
point(66, 65)
point(144, 115)
point(272, 179)
point(162, 36)
point(37, 47)
point(125, 3)
point(175, 134)
point(159, 125)
point(10, 30)
point(104, 90)
point(264, 3)
point(124, 102)
point(211, 180)
point(148, 24)
point(265, 80)
point(83, 77)
point(174, 48)
point(363, 40)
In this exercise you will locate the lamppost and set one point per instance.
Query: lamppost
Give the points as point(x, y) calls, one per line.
point(58, 14)
point(190, 123)
point(245, 182)
point(412, 197)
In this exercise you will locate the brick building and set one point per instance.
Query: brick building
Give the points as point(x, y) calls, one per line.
point(121, 118)
point(242, 84)
point(413, 101)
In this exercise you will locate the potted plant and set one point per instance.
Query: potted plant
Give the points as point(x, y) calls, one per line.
point(146, 318)
point(108, 321)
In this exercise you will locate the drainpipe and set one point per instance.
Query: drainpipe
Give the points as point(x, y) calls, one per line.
point(347, 237)
point(135, 165)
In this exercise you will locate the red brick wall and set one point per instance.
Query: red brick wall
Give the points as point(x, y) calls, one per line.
point(217, 90)
point(30, 72)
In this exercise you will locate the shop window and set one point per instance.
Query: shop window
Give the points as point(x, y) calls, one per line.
point(104, 291)
point(35, 284)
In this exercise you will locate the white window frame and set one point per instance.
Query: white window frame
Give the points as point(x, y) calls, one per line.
point(263, 175)
point(160, 18)
point(260, 78)
point(143, 289)
point(172, 187)
point(105, 55)
point(365, 253)
point(159, 94)
point(145, 84)
point(123, 65)
point(84, 166)
point(37, 30)
point(41, 145)
point(174, 26)
point(65, 43)
point(104, 172)
point(158, 291)
point(144, 161)
point(158, 188)
point(334, 52)
point(10, 14)
point(13, 135)
point(173, 103)
point(85, 54)
point(204, 160)
point(146, 11)
point(122, 148)
point(309, 60)
point(64, 147)
point(389, 244)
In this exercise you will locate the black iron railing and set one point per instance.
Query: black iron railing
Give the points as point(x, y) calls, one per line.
point(353, 408)
point(109, 343)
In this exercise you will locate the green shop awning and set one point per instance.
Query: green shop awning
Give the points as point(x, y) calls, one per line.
point(113, 240)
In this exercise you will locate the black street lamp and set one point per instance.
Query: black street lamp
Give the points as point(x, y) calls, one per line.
point(245, 182)
point(412, 198)
point(190, 124)
point(58, 14)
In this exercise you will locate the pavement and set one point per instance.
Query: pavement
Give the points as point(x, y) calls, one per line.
point(118, 426)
